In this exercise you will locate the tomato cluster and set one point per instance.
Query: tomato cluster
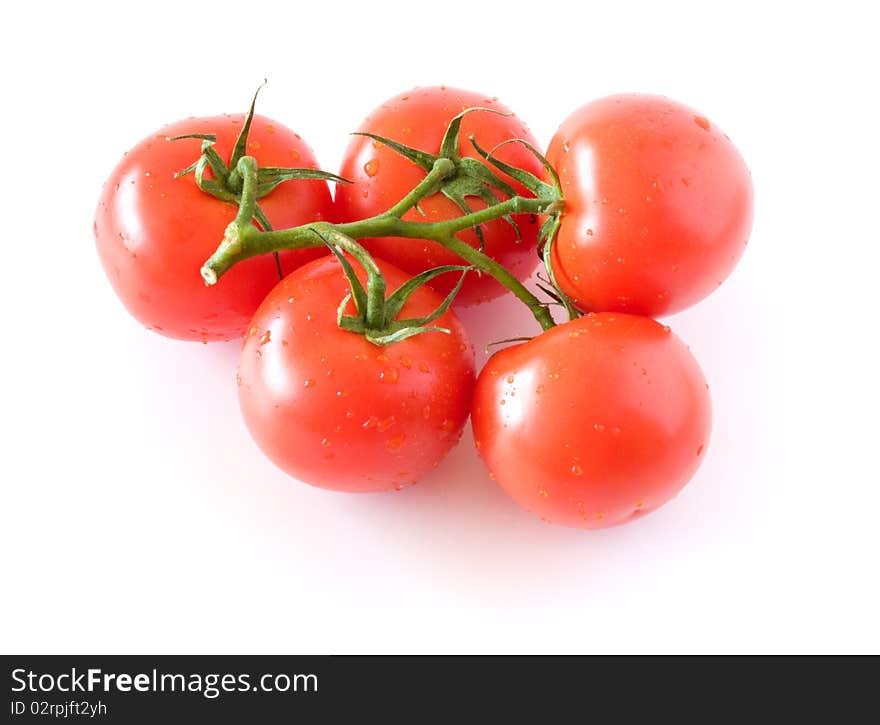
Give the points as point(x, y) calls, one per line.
point(356, 373)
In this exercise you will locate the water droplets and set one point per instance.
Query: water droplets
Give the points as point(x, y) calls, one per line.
point(396, 442)
point(702, 122)
point(389, 376)
point(577, 470)
point(266, 337)
point(307, 383)
point(371, 168)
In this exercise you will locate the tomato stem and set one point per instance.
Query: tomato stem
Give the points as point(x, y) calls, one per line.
point(243, 240)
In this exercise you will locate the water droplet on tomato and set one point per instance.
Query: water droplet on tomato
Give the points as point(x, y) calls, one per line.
point(543, 493)
point(577, 470)
point(259, 352)
point(426, 412)
point(307, 383)
point(371, 168)
point(389, 375)
point(386, 423)
point(702, 122)
point(423, 367)
point(700, 450)
point(370, 422)
point(267, 336)
point(395, 442)
point(510, 378)
point(406, 362)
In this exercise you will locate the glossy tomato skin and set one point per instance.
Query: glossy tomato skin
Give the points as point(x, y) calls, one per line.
point(419, 118)
point(595, 422)
point(154, 232)
point(658, 205)
point(338, 412)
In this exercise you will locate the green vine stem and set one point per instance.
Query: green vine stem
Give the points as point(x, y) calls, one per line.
point(243, 240)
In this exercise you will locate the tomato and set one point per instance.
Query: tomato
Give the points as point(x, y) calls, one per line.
point(658, 205)
point(382, 177)
point(154, 232)
point(594, 422)
point(339, 412)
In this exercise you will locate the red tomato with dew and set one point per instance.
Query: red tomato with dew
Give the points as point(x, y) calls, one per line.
point(595, 422)
point(154, 232)
point(336, 411)
point(419, 118)
point(658, 205)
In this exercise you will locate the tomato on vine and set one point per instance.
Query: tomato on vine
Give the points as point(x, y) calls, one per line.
point(658, 205)
point(419, 119)
point(154, 231)
point(595, 422)
point(339, 411)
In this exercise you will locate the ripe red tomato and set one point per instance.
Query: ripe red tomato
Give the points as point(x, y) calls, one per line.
point(658, 205)
point(338, 412)
point(382, 177)
point(154, 232)
point(594, 422)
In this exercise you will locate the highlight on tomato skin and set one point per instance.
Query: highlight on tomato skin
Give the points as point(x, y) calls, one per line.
point(153, 232)
point(336, 411)
point(419, 118)
point(595, 422)
point(659, 205)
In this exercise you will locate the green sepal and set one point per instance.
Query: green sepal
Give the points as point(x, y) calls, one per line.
point(396, 300)
point(402, 334)
point(419, 158)
point(441, 308)
point(240, 147)
point(201, 136)
point(495, 343)
point(358, 293)
point(540, 188)
point(570, 309)
point(269, 177)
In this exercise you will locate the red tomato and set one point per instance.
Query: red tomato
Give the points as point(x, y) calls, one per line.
point(154, 232)
point(658, 205)
point(594, 422)
point(338, 412)
point(382, 177)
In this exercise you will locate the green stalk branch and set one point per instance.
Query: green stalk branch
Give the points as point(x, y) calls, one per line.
point(243, 240)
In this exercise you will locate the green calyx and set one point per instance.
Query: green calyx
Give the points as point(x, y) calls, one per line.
point(468, 178)
point(376, 316)
point(225, 181)
point(542, 190)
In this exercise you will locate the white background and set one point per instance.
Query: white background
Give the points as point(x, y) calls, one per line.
point(138, 516)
